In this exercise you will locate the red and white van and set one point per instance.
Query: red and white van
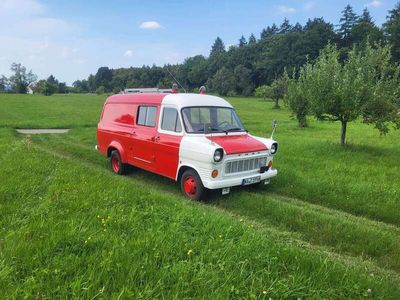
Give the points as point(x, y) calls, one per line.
point(195, 139)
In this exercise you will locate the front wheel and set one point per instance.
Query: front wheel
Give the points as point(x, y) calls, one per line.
point(192, 186)
point(116, 164)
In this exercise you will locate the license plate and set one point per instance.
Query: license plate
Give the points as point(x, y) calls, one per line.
point(251, 180)
point(225, 191)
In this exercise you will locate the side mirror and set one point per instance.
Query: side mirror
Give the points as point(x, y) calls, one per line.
point(274, 125)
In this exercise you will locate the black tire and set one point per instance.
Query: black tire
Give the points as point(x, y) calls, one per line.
point(116, 164)
point(194, 188)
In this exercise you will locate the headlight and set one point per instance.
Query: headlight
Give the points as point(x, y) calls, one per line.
point(218, 155)
point(274, 148)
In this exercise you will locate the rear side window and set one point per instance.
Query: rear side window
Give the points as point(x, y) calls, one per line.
point(119, 113)
point(170, 120)
point(147, 116)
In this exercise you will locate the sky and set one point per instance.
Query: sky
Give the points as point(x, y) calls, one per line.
point(72, 39)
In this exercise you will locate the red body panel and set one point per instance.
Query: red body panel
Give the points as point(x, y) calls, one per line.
point(234, 144)
point(167, 154)
point(141, 146)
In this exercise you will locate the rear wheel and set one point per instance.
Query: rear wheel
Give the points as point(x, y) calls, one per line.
point(192, 186)
point(116, 164)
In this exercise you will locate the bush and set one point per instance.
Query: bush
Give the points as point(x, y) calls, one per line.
point(116, 90)
point(100, 90)
point(297, 102)
point(261, 91)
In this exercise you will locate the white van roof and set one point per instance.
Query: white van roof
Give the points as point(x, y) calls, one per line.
point(184, 100)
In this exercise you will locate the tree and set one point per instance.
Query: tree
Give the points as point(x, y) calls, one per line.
point(262, 91)
point(366, 30)
point(317, 34)
point(103, 78)
point(100, 90)
point(242, 41)
point(269, 31)
point(62, 88)
point(365, 85)
point(285, 26)
point(365, 17)
point(3, 83)
point(297, 27)
point(81, 86)
point(392, 31)
point(217, 48)
point(252, 40)
point(278, 89)
point(91, 83)
point(52, 80)
point(223, 82)
point(244, 82)
point(347, 22)
point(46, 87)
point(296, 99)
point(20, 80)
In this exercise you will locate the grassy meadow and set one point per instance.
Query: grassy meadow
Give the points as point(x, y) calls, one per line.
point(327, 227)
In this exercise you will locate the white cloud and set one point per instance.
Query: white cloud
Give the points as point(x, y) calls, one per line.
point(286, 9)
point(128, 53)
point(374, 4)
point(150, 25)
point(309, 5)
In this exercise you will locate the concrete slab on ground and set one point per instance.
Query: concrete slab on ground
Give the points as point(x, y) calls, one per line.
point(42, 130)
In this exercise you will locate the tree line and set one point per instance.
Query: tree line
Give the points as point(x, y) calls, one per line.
point(241, 68)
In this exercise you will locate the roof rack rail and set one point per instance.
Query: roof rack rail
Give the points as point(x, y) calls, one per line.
point(146, 90)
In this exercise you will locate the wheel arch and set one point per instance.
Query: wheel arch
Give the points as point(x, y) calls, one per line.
point(116, 146)
point(182, 170)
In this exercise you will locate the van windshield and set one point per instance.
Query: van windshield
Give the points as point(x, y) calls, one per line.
point(207, 119)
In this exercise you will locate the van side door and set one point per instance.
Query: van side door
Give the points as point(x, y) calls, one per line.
point(168, 140)
point(143, 141)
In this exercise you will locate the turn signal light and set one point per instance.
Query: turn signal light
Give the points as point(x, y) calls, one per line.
point(214, 173)
point(270, 164)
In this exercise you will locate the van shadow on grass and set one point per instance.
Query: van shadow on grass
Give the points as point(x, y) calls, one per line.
point(172, 187)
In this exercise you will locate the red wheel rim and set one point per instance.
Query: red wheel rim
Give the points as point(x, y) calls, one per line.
point(190, 186)
point(115, 164)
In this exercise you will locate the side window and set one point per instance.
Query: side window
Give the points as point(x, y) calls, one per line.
point(151, 116)
point(147, 116)
point(141, 119)
point(170, 120)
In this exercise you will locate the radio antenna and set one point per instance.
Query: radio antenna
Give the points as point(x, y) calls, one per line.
point(175, 79)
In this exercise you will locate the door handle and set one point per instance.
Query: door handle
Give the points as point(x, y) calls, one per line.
point(155, 138)
point(133, 133)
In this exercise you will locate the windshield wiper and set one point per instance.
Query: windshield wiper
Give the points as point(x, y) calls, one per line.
point(218, 129)
point(212, 129)
point(235, 129)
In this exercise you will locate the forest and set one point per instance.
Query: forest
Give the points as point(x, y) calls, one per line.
point(254, 62)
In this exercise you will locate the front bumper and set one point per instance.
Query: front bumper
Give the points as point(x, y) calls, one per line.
point(237, 180)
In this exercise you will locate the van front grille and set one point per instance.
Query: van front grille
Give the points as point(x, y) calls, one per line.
point(243, 165)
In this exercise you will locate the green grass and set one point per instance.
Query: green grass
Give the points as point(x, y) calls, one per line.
point(326, 227)
point(57, 111)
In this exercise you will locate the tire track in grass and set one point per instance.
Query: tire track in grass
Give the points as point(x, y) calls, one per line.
point(332, 230)
point(340, 231)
